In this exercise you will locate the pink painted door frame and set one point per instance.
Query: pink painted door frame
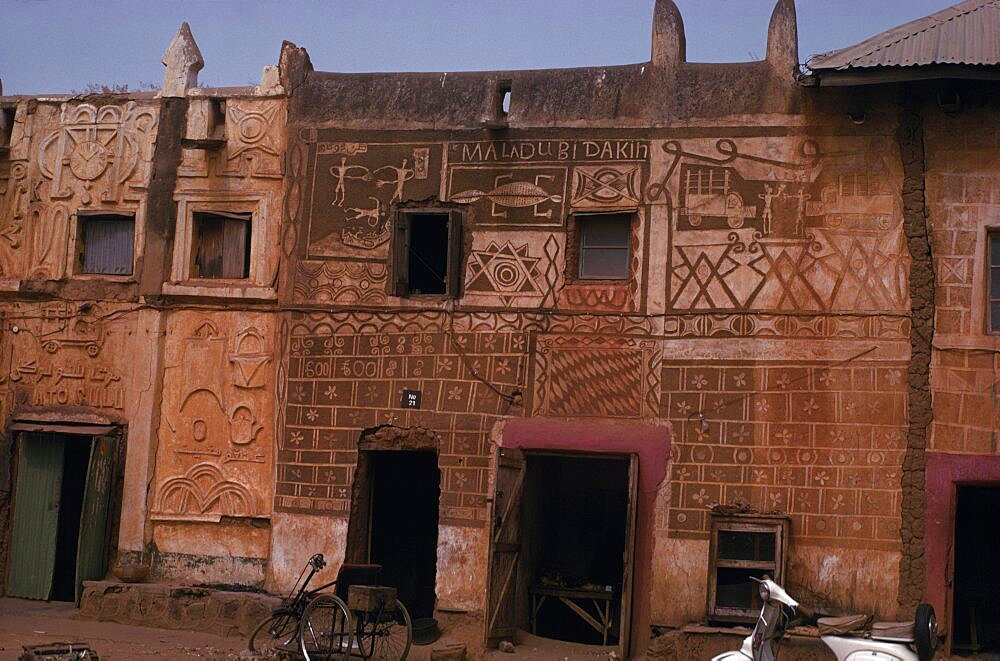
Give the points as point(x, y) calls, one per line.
point(650, 443)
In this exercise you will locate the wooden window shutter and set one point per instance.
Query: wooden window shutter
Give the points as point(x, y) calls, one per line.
point(455, 253)
point(401, 254)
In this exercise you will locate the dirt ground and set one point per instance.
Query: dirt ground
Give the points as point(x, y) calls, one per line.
point(26, 622)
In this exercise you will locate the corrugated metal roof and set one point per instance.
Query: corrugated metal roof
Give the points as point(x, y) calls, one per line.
point(966, 33)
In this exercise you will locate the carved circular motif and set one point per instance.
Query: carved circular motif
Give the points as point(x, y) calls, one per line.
point(200, 430)
point(507, 275)
point(89, 160)
point(253, 127)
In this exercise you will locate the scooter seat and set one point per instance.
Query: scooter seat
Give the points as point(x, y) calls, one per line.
point(893, 632)
point(835, 626)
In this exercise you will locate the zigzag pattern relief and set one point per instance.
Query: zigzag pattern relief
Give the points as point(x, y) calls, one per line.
point(595, 383)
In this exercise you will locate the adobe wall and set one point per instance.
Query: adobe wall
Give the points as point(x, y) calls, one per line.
point(193, 392)
point(962, 205)
point(212, 488)
point(777, 310)
point(73, 347)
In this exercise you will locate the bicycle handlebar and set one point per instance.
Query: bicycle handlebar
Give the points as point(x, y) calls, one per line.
point(317, 561)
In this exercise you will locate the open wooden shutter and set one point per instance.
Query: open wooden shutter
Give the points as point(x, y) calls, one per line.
point(36, 516)
point(454, 283)
point(92, 544)
point(505, 547)
point(401, 254)
point(628, 564)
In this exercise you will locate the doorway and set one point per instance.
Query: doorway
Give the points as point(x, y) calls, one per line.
point(60, 531)
point(402, 490)
point(976, 611)
point(562, 547)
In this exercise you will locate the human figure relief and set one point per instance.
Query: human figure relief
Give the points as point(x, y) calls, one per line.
point(768, 196)
point(402, 175)
point(341, 173)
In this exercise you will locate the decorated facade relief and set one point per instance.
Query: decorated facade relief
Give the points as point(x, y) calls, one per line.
point(53, 354)
point(756, 227)
point(215, 453)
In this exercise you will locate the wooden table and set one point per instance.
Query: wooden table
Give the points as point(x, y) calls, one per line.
point(600, 620)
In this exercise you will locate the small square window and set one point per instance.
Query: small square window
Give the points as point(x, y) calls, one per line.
point(994, 285)
point(427, 252)
point(221, 245)
point(604, 246)
point(742, 548)
point(105, 243)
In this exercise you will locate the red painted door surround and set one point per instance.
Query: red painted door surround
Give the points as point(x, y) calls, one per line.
point(944, 473)
point(650, 443)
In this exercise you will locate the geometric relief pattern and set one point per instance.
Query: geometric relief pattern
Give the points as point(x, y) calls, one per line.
point(596, 376)
point(829, 270)
point(203, 491)
point(506, 270)
point(215, 457)
point(340, 383)
point(341, 282)
point(822, 442)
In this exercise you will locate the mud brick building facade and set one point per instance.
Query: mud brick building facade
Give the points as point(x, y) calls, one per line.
point(430, 319)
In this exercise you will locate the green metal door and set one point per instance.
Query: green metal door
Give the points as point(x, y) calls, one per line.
point(36, 515)
point(91, 550)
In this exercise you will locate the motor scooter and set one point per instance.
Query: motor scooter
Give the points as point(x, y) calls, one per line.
point(851, 638)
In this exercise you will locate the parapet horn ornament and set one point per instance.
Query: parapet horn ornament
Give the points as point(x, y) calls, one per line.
point(183, 61)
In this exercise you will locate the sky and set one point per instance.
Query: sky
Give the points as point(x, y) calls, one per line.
point(58, 46)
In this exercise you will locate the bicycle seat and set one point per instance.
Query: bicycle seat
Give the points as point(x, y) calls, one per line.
point(356, 574)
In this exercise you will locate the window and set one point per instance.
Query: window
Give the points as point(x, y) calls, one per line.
point(743, 547)
point(604, 246)
point(994, 268)
point(221, 245)
point(105, 243)
point(427, 252)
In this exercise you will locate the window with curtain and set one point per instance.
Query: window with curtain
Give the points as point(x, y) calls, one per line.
point(106, 243)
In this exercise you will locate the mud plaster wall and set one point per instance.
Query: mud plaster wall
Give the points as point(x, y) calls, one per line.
point(73, 346)
point(215, 457)
point(776, 306)
point(962, 204)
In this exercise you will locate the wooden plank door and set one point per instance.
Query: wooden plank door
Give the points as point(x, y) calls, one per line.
point(628, 563)
point(91, 549)
point(505, 547)
point(36, 515)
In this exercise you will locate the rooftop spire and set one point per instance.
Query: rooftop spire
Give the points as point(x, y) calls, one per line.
point(183, 61)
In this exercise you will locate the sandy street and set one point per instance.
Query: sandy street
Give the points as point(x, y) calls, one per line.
point(25, 622)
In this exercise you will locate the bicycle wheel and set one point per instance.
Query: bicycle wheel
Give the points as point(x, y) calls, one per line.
point(388, 636)
point(325, 629)
point(276, 631)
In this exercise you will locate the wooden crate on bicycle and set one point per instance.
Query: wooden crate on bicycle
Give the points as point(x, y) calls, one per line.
point(371, 598)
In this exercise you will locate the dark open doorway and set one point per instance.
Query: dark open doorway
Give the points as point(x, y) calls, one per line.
point(76, 458)
point(574, 531)
point(61, 523)
point(976, 611)
point(403, 490)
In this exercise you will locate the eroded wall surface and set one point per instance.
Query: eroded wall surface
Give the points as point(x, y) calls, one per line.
point(766, 293)
point(962, 208)
point(75, 347)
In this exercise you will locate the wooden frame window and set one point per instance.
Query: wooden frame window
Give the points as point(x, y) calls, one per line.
point(603, 247)
point(993, 284)
point(743, 547)
point(105, 243)
point(427, 252)
point(221, 244)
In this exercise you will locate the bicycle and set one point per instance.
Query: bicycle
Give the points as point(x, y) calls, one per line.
point(278, 631)
point(375, 626)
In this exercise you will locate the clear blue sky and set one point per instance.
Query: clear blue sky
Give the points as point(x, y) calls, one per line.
point(62, 45)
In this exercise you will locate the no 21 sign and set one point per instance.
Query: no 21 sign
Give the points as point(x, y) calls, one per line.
point(410, 399)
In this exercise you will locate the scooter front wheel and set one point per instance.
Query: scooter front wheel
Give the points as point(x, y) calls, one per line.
point(925, 633)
